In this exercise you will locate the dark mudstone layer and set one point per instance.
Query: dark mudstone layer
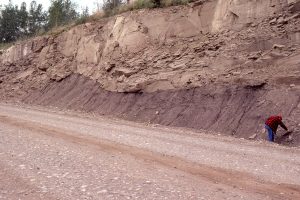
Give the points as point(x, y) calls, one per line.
point(235, 110)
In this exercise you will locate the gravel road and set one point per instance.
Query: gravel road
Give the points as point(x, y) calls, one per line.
point(50, 154)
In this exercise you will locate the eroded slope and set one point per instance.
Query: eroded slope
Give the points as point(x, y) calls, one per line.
point(218, 65)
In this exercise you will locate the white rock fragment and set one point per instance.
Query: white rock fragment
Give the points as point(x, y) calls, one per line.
point(22, 166)
point(102, 192)
point(83, 188)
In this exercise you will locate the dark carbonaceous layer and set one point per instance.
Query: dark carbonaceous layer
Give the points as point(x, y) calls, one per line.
point(234, 110)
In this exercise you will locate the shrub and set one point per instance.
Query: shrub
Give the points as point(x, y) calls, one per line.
point(167, 3)
point(139, 4)
point(4, 46)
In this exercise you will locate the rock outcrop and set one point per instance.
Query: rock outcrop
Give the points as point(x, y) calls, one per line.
point(180, 47)
point(221, 43)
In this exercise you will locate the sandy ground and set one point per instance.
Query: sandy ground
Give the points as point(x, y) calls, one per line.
point(47, 154)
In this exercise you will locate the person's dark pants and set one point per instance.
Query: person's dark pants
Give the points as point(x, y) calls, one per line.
point(271, 135)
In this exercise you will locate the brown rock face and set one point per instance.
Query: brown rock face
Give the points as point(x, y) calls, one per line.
point(220, 43)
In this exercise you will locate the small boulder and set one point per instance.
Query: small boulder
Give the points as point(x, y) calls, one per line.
point(177, 54)
point(278, 46)
point(43, 66)
point(255, 84)
point(236, 73)
point(290, 138)
point(121, 79)
point(116, 44)
point(144, 30)
point(127, 72)
point(109, 66)
point(273, 21)
point(281, 20)
point(254, 56)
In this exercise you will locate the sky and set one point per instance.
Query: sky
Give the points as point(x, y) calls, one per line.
point(81, 3)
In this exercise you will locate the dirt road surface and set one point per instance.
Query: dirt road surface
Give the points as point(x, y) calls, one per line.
point(50, 154)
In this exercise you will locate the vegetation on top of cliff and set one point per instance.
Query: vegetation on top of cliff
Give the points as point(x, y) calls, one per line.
point(16, 23)
point(113, 7)
point(4, 46)
point(19, 23)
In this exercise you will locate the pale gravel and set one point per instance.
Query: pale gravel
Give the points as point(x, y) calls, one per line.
point(53, 168)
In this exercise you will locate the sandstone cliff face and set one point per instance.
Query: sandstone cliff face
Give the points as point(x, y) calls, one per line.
point(237, 44)
point(163, 49)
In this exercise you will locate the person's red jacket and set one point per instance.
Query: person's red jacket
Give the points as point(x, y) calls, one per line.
point(274, 121)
